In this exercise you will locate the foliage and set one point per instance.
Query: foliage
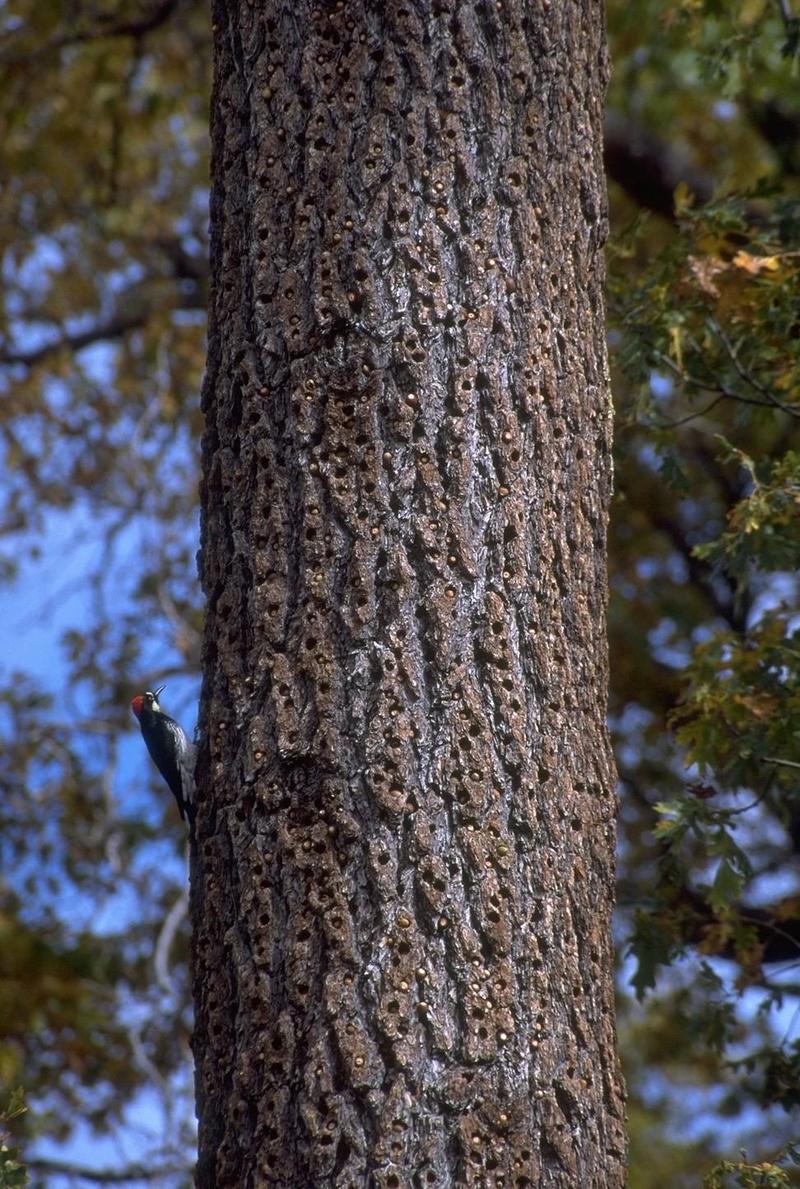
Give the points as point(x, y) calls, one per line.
point(767, 1174)
point(103, 236)
point(705, 557)
point(12, 1172)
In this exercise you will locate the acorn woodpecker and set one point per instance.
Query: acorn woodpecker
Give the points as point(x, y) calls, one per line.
point(169, 748)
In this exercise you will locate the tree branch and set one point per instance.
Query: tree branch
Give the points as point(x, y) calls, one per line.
point(139, 27)
point(779, 938)
point(647, 168)
point(716, 590)
point(133, 313)
point(113, 328)
point(107, 1176)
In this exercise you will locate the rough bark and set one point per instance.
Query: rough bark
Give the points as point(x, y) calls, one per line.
point(404, 856)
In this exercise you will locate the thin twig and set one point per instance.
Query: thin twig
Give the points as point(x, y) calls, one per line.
point(743, 374)
point(166, 937)
point(691, 416)
point(782, 763)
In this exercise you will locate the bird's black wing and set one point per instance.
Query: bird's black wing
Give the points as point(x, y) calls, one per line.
point(173, 755)
point(188, 754)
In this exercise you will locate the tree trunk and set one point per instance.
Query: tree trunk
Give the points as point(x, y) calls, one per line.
point(404, 858)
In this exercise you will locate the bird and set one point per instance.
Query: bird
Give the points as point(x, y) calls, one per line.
point(170, 749)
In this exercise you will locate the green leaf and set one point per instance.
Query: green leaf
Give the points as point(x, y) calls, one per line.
point(651, 947)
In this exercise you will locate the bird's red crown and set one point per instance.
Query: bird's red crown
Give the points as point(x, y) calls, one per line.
point(136, 704)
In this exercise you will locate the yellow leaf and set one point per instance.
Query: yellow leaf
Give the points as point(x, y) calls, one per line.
point(715, 937)
point(755, 264)
point(751, 11)
point(676, 344)
point(683, 198)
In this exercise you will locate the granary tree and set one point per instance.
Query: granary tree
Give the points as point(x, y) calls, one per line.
point(403, 861)
point(103, 223)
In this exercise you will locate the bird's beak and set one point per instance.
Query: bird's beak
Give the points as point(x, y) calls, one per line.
point(156, 692)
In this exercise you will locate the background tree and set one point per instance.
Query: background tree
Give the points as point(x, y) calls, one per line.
point(103, 228)
point(705, 549)
point(103, 233)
